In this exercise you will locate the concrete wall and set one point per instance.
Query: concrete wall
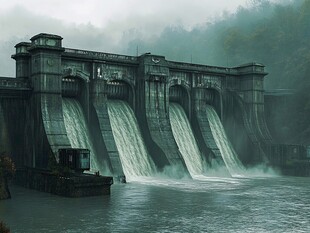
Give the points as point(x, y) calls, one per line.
point(148, 83)
point(103, 134)
point(201, 98)
point(152, 109)
point(15, 130)
point(5, 144)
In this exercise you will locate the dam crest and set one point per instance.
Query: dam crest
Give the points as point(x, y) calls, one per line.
point(54, 83)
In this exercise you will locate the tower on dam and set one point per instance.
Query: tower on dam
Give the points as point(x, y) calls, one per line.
point(132, 112)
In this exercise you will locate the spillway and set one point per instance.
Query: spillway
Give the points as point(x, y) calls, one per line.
point(186, 141)
point(78, 132)
point(228, 153)
point(132, 150)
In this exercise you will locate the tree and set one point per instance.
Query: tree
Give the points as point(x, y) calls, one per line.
point(4, 228)
point(7, 171)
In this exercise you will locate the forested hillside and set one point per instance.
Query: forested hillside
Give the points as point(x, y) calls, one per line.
point(277, 35)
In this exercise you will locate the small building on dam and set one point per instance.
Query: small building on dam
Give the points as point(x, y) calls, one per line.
point(138, 115)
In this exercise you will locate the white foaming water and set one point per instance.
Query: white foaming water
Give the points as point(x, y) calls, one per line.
point(189, 185)
point(228, 153)
point(133, 153)
point(77, 130)
point(186, 141)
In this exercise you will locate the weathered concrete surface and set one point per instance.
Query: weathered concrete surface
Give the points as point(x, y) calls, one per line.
point(46, 81)
point(4, 134)
point(53, 72)
point(153, 112)
point(252, 95)
point(69, 186)
point(15, 130)
point(246, 105)
point(101, 118)
point(202, 125)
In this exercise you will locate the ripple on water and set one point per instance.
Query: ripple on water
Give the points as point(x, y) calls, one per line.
point(167, 205)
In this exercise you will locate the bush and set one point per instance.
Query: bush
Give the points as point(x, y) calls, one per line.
point(4, 228)
point(7, 167)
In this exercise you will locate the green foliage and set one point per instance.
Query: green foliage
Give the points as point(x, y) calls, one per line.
point(7, 167)
point(4, 228)
point(276, 35)
point(281, 42)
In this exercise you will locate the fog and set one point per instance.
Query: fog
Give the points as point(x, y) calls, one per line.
point(100, 25)
point(263, 32)
point(222, 33)
point(275, 34)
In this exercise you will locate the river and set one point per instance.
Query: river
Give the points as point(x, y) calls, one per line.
point(274, 204)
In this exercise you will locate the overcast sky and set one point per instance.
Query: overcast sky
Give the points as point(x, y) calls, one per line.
point(100, 24)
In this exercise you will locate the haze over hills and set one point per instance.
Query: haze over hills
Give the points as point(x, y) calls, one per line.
point(273, 34)
point(276, 35)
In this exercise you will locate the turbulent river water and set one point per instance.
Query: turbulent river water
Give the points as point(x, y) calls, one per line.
point(273, 204)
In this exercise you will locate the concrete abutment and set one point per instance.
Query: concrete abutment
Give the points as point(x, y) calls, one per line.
point(46, 73)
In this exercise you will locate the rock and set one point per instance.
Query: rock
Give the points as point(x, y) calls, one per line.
point(4, 228)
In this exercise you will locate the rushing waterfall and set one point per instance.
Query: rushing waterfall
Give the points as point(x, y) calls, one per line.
point(228, 153)
point(186, 141)
point(133, 153)
point(77, 130)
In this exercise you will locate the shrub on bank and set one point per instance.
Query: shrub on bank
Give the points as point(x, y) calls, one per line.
point(4, 228)
point(7, 171)
point(7, 167)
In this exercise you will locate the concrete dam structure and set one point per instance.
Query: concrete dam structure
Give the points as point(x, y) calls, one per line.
point(137, 115)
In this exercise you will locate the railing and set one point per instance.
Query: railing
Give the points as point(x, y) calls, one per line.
point(13, 83)
point(280, 92)
point(100, 55)
point(198, 67)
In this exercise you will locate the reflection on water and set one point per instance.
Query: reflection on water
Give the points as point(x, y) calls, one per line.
point(162, 205)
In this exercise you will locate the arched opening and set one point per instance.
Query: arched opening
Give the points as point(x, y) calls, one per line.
point(209, 96)
point(71, 86)
point(179, 94)
point(76, 86)
point(213, 97)
point(120, 90)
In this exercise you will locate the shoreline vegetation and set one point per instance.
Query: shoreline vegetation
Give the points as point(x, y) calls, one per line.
point(4, 228)
point(7, 171)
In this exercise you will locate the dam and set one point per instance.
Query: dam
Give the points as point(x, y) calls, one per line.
point(138, 115)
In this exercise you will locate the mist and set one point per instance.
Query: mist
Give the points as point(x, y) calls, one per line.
point(264, 31)
point(19, 24)
point(274, 33)
point(113, 27)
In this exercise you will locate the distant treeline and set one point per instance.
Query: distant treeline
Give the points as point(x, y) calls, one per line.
point(276, 35)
